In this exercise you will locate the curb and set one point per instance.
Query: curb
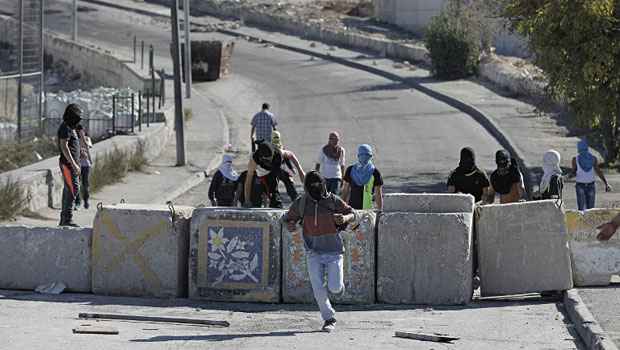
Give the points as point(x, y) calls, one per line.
point(487, 123)
point(185, 186)
point(590, 332)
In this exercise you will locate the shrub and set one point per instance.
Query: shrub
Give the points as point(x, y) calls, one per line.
point(137, 161)
point(114, 165)
point(14, 199)
point(454, 41)
point(15, 155)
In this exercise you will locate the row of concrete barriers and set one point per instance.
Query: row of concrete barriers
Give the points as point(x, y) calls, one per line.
point(420, 250)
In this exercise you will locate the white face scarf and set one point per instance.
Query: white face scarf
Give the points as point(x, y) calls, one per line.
point(226, 168)
point(551, 166)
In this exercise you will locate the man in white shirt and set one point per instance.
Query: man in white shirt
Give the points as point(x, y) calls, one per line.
point(331, 162)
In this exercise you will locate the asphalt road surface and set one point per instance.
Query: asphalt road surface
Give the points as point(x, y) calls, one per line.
point(417, 139)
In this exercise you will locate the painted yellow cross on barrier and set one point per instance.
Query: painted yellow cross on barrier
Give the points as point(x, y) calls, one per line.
point(130, 248)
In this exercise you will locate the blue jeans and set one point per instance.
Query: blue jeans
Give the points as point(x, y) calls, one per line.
point(333, 186)
point(318, 266)
point(586, 195)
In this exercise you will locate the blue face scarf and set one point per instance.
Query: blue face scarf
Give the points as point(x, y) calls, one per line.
point(363, 170)
point(586, 159)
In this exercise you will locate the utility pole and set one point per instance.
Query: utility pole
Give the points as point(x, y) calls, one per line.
point(188, 51)
point(74, 36)
point(178, 98)
point(21, 71)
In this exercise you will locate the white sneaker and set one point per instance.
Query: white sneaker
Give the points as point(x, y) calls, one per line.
point(329, 325)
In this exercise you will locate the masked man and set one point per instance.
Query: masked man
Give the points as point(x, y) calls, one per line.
point(69, 149)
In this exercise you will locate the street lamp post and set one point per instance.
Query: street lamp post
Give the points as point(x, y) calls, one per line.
point(188, 51)
point(74, 35)
point(178, 97)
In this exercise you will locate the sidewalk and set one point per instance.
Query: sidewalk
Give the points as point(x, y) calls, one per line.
point(45, 322)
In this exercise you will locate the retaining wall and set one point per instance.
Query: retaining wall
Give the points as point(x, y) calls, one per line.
point(97, 65)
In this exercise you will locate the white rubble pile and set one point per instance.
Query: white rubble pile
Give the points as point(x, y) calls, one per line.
point(95, 104)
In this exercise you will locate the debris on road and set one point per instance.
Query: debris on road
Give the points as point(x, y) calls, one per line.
point(89, 329)
point(154, 319)
point(54, 288)
point(435, 337)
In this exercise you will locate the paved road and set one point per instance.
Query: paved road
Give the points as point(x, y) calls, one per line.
point(33, 321)
point(604, 304)
point(417, 138)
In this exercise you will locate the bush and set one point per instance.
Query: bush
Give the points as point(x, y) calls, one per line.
point(14, 199)
point(109, 169)
point(15, 155)
point(453, 39)
point(137, 161)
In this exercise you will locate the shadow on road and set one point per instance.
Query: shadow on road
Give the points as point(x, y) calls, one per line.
point(95, 300)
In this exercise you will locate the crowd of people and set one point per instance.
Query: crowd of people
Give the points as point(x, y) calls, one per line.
point(332, 193)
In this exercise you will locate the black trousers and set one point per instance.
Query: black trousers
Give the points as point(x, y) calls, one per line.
point(287, 180)
point(269, 189)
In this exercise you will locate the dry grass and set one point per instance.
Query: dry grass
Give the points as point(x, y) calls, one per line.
point(115, 165)
point(14, 199)
point(16, 155)
point(188, 114)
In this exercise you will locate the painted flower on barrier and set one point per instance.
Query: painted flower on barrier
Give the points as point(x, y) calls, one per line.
point(232, 259)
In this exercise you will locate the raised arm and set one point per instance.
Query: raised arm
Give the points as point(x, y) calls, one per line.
point(607, 230)
point(300, 170)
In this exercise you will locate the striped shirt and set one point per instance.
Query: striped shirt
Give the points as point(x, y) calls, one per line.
point(264, 122)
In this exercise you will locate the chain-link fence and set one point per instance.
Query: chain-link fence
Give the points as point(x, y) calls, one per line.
point(21, 70)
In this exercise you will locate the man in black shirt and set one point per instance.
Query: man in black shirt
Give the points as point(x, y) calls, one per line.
point(468, 178)
point(69, 148)
point(265, 165)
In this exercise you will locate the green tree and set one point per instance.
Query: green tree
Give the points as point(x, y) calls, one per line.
point(577, 44)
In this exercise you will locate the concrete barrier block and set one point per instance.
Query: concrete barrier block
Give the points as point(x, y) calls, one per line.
point(594, 262)
point(523, 248)
point(428, 203)
point(141, 250)
point(425, 258)
point(235, 255)
point(32, 256)
point(359, 264)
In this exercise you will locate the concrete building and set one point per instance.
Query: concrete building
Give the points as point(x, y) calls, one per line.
point(415, 15)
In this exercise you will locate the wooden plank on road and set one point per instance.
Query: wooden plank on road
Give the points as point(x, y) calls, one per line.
point(154, 319)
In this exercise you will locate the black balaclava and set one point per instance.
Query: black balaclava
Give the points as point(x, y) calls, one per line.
point(502, 159)
point(72, 115)
point(468, 160)
point(263, 155)
point(315, 185)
